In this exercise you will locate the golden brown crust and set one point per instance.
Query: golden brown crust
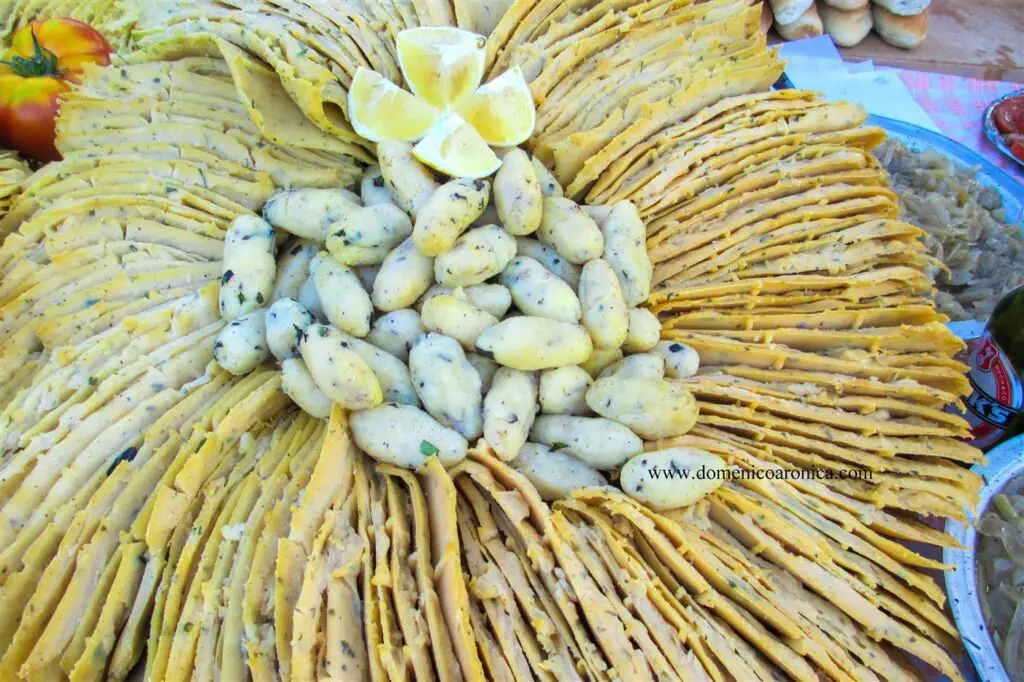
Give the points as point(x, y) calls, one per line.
point(906, 31)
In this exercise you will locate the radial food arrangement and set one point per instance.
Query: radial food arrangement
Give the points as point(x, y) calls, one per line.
point(519, 340)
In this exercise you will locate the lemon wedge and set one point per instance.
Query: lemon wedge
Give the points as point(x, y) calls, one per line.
point(379, 109)
point(502, 111)
point(441, 64)
point(454, 148)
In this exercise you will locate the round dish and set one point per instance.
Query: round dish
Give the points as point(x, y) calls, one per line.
point(1005, 462)
point(993, 134)
point(989, 174)
point(918, 139)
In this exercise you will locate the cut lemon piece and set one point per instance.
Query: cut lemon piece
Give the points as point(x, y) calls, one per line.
point(455, 149)
point(441, 64)
point(502, 111)
point(379, 109)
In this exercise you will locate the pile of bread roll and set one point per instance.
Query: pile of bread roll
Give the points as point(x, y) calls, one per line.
point(901, 23)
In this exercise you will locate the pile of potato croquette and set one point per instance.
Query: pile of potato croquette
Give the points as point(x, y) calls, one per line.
point(439, 314)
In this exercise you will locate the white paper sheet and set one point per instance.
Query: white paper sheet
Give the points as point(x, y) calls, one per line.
point(815, 64)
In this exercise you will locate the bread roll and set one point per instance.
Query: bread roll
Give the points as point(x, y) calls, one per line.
point(904, 8)
point(789, 11)
point(848, 5)
point(899, 31)
point(808, 25)
point(846, 28)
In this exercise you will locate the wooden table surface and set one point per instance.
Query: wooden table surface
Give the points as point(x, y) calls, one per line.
point(977, 38)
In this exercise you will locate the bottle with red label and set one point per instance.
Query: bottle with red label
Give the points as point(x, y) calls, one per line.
point(995, 408)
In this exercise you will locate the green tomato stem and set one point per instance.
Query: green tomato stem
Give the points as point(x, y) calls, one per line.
point(42, 63)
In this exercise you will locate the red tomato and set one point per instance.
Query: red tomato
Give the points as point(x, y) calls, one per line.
point(1009, 116)
point(1016, 145)
point(28, 115)
point(44, 58)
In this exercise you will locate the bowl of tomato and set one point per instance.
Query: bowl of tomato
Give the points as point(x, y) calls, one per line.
point(1004, 125)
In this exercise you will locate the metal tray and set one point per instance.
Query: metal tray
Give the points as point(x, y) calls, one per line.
point(993, 134)
point(1005, 462)
point(988, 174)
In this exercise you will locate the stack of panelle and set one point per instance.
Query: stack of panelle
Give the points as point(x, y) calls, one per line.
point(13, 172)
point(113, 17)
point(156, 510)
